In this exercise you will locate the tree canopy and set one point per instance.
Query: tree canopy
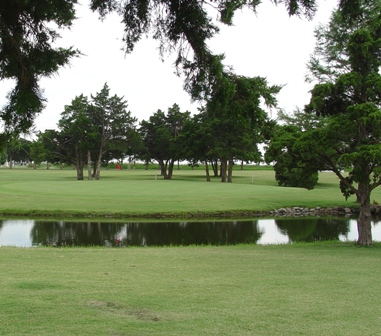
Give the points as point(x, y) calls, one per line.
point(29, 29)
point(161, 136)
point(27, 36)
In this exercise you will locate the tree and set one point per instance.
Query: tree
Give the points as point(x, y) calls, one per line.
point(37, 153)
point(26, 54)
point(196, 140)
point(3, 155)
point(90, 129)
point(77, 134)
point(53, 149)
point(113, 122)
point(237, 119)
point(18, 149)
point(348, 98)
point(291, 168)
point(161, 136)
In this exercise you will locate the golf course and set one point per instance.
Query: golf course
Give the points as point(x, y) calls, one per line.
point(322, 288)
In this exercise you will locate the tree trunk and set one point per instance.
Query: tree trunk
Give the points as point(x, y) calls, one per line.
point(98, 170)
point(223, 170)
point(94, 170)
point(97, 165)
point(215, 167)
point(47, 165)
point(165, 171)
point(230, 171)
point(79, 167)
point(364, 222)
point(207, 171)
point(242, 165)
point(89, 177)
point(163, 168)
point(170, 169)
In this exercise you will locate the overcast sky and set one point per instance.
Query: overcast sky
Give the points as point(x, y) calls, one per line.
point(269, 44)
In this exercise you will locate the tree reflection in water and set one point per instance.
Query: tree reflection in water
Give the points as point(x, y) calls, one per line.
point(74, 233)
point(259, 231)
point(313, 229)
point(144, 234)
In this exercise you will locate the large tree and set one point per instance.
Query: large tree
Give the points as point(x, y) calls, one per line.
point(113, 122)
point(77, 134)
point(347, 99)
point(237, 119)
point(27, 36)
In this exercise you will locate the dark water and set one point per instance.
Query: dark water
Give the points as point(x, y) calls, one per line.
point(27, 233)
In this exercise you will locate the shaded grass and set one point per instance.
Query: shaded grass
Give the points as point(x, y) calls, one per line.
point(302, 289)
point(139, 193)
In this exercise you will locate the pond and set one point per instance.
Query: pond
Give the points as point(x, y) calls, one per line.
point(28, 233)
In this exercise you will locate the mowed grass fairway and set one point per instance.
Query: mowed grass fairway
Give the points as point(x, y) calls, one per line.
point(303, 289)
point(144, 193)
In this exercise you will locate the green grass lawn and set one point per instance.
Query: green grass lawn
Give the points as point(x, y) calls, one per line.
point(300, 289)
point(303, 289)
point(144, 193)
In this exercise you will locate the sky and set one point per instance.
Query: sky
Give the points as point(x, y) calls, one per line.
point(268, 44)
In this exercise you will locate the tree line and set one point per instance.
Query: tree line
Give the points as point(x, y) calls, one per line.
point(93, 131)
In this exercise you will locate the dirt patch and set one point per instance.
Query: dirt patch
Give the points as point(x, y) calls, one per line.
point(123, 310)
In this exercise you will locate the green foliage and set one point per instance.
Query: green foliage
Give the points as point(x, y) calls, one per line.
point(3, 156)
point(235, 118)
point(113, 125)
point(18, 149)
point(100, 127)
point(196, 138)
point(27, 38)
point(162, 138)
point(53, 148)
point(346, 63)
point(296, 177)
point(292, 149)
point(37, 152)
point(27, 54)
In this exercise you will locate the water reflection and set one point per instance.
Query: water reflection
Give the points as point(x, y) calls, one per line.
point(144, 234)
point(258, 231)
point(313, 229)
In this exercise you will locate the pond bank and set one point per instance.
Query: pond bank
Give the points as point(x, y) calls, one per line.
point(237, 214)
